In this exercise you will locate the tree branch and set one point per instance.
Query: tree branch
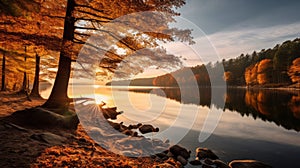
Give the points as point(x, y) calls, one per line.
point(89, 7)
point(91, 20)
point(86, 28)
point(95, 15)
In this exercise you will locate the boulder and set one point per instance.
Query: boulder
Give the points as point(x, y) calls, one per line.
point(248, 164)
point(195, 162)
point(42, 118)
point(177, 150)
point(49, 138)
point(146, 128)
point(182, 160)
point(220, 164)
point(134, 126)
point(110, 113)
point(203, 153)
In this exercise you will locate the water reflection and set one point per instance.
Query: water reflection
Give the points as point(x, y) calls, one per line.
point(280, 107)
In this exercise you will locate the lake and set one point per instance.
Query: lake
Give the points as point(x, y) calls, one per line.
point(238, 123)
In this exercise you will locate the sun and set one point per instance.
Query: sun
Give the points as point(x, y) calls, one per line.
point(101, 98)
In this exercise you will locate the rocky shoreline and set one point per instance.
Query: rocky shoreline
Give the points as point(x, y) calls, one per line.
point(177, 155)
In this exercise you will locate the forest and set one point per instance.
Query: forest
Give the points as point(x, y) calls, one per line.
point(274, 67)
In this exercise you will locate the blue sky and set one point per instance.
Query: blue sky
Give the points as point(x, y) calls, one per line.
point(221, 15)
point(225, 29)
point(238, 26)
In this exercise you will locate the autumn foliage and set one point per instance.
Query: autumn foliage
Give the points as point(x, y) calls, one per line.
point(259, 73)
point(294, 71)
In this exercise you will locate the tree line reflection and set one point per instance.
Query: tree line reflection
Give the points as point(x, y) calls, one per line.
point(280, 107)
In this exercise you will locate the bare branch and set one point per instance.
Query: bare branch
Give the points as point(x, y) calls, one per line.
point(86, 28)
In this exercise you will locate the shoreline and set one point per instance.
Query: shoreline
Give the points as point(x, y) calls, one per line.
point(57, 147)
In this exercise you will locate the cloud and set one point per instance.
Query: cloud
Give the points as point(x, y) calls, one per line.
point(230, 44)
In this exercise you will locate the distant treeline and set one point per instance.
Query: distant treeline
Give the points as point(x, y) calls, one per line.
point(275, 67)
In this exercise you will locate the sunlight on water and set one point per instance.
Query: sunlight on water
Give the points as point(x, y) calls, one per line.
point(260, 124)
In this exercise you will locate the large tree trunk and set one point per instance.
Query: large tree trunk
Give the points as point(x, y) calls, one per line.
point(36, 83)
point(58, 97)
point(3, 88)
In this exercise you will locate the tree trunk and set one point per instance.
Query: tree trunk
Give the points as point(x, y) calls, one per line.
point(36, 83)
point(24, 89)
point(58, 97)
point(3, 88)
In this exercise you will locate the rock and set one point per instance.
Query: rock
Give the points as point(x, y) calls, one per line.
point(248, 164)
point(203, 153)
point(110, 113)
point(136, 126)
point(182, 160)
point(177, 150)
point(161, 155)
point(170, 154)
point(49, 138)
point(42, 118)
point(116, 126)
point(146, 128)
point(16, 127)
point(208, 161)
point(220, 164)
point(195, 162)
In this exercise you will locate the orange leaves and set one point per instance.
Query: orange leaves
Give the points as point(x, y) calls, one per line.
point(294, 71)
point(264, 71)
point(259, 73)
point(228, 76)
point(264, 65)
point(251, 75)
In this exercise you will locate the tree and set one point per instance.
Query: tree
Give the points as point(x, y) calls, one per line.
point(264, 71)
point(35, 89)
point(3, 87)
point(94, 15)
point(28, 23)
point(228, 77)
point(294, 71)
point(25, 85)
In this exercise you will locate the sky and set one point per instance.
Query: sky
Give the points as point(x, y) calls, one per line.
point(241, 26)
point(225, 29)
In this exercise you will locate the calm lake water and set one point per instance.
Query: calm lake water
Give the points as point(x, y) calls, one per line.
point(259, 124)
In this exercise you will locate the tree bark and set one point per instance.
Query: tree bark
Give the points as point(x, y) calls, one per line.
point(3, 88)
point(36, 83)
point(58, 97)
point(24, 89)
